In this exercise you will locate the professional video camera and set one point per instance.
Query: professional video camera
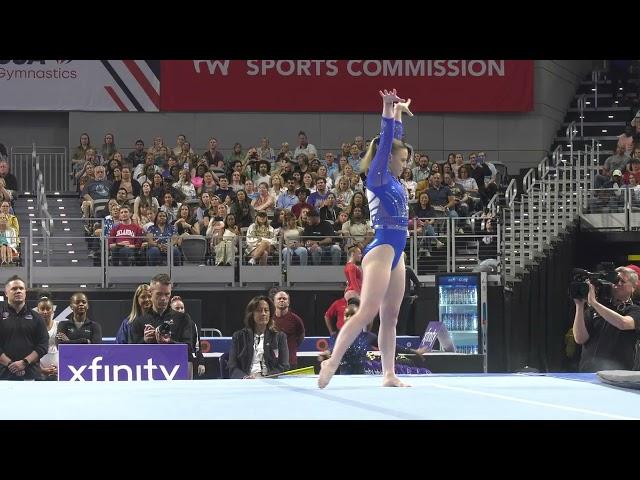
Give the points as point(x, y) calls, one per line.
point(603, 280)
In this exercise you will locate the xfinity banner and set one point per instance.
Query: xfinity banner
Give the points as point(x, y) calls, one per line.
point(346, 85)
point(122, 363)
point(87, 85)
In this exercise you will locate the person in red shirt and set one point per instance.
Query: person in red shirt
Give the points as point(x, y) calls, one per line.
point(353, 272)
point(125, 239)
point(290, 324)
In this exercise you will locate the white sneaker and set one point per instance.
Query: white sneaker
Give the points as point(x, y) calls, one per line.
point(252, 261)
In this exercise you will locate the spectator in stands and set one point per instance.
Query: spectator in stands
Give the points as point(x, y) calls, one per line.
point(618, 161)
point(170, 207)
point(225, 248)
point(608, 334)
point(79, 328)
point(98, 189)
point(197, 358)
point(115, 175)
point(125, 239)
point(184, 184)
point(79, 154)
point(5, 208)
point(626, 139)
point(236, 154)
point(147, 199)
point(304, 146)
point(259, 349)
point(343, 193)
point(108, 147)
point(186, 158)
point(8, 242)
point(317, 199)
point(458, 161)
point(322, 173)
point(332, 167)
point(144, 328)
point(180, 141)
point(11, 182)
point(250, 190)
point(634, 170)
point(276, 185)
point(87, 175)
point(23, 334)
point(158, 143)
point(329, 210)
point(265, 152)
point(49, 362)
point(104, 228)
point(290, 324)
point(470, 186)
point(460, 196)
point(355, 181)
point(489, 179)
point(121, 197)
point(212, 155)
point(291, 233)
point(264, 202)
point(224, 191)
point(208, 184)
point(137, 155)
point(345, 150)
point(423, 217)
point(354, 158)
point(215, 229)
point(422, 171)
point(186, 223)
point(357, 230)
point(287, 199)
point(302, 194)
point(242, 210)
point(261, 239)
point(343, 217)
point(131, 186)
point(359, 200)
point(236, 181)
point(409, 184)
point(307, 182)
point(479, 171)
point(144, 171)
point(319, 239)
point(144, 217)
point(159, 236)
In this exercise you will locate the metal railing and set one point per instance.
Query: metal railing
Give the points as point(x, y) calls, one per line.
point(54, 164)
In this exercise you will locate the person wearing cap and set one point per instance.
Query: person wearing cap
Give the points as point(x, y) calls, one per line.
point(608, 330)
point(319, 239)
point(618, 161)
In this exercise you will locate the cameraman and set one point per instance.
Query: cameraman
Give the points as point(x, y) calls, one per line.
point(608, 335)
point(150, 327)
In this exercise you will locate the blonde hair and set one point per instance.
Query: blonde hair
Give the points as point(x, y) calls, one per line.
point(135, 308)
point(373, 148)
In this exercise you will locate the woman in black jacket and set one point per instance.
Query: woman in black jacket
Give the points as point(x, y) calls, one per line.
point(259, 349)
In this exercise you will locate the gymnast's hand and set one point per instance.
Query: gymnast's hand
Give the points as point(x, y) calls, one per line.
point(403, 107)
point(390, 97)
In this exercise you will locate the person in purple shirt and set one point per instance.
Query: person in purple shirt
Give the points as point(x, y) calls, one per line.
point(383, 262)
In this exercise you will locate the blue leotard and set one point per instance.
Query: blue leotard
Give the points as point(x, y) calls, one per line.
point(388, 202)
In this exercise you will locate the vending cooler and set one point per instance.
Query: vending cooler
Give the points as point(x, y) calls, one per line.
point(462, 309)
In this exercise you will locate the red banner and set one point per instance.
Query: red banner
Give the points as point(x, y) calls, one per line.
point(346, 85)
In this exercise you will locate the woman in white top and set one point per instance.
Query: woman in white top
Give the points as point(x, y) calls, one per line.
point(264, 202)
point(184, 184)
point(49, 362)
point(343, 193)
point(407, 180)
point(261, 239)
point(277, 185)
point(225, 248)
point(291, 232)
point(322, 173)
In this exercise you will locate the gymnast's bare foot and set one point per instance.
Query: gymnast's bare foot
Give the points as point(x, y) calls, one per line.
point(326, 373)
point(393, 381)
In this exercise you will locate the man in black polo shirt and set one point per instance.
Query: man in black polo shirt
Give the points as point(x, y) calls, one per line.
point(23, 335)
point(609, 334)
point(319, 239)
point(145, 329)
